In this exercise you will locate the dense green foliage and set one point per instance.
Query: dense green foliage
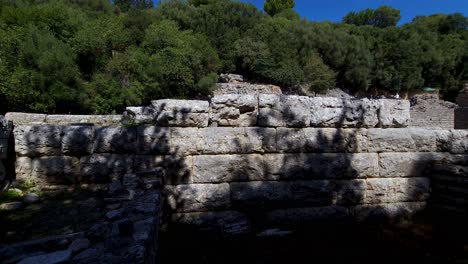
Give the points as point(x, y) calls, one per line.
point(273, 7)
point(96, 56)
point(383, 16)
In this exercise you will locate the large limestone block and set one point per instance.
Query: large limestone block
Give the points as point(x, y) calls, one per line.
point(115, 139)
point(408, 140)
point(104, 167)
point(25, 119)
point(177, 169)
point(167, 140)
point(183, 113)
point(386, 211)
point(336, 112)
point(227, 140)
point(23, 169)
point(349, 192)
point(227, 168)
point(58, 169)
point(459, 142)
point(234, 110)
point(198, 197)
point(153, 140)
point(321, 166)
point(329, 140)
point(77, 140)
point(284, 111)
point(98, 120)
point(408, 164)
point(391, 140)
point(139, 115)
point(183, 141)
point(37, 140)
point(394, 113)
point(393, 190)
point(294, 216)
point(274, 193)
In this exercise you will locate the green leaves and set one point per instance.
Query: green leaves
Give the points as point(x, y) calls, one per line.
point(382, 17)
point(273, 7)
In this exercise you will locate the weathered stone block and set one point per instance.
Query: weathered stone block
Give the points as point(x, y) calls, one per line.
point(209, 219)
point(23, 169)
point(227, 168)
point(183, 141)
point(115, 139)
point(336, 112)
point(98, 120)
point(284, 111)
point(459, 144)
point(321, 140)
point(58, 169)
point(178, 169)
point(349, 192)
point(272, 193)
point(321, 166)
point(104, 167)
point(153, 140)
point(394, 113)
point(295, 216)
point(391, 140)
point(393, 190)
point(386, 211)
point(234, 110)
point(37, 140)
point(20, 119)
point(408, 164)
point(136, 115)
point(198, 197)
point(226, 140)
point(408, 140)
point(77, 140)
point(184, 113)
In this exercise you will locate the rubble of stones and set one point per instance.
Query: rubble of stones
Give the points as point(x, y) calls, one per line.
point(236, 84)
point(126, 233)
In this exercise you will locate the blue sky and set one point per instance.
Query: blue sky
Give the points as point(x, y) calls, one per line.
point(334, 10)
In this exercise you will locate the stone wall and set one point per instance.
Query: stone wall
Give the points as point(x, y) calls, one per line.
point(245, 159)
point(461, 113)
point(430, 112)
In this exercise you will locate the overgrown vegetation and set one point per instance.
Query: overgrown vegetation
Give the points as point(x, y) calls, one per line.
point(94, 56)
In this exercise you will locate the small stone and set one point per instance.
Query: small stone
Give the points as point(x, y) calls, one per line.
point(114, 214)
point(31, 198)
point(79, 245)
point(10, 206)
point(50, 258)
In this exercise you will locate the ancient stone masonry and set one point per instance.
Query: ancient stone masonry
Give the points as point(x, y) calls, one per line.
point(431, 112)
point(461, 113)
point(255, 158)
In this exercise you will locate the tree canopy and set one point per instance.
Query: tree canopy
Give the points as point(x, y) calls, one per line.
point(98, 56)
point(273, 7)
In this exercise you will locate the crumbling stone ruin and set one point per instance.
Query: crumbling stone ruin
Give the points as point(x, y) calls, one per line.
point(233, 160)
point(428, 111)
point(461, 114)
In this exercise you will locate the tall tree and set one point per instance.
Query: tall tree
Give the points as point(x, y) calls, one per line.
point(273, 7)
point(382, 17)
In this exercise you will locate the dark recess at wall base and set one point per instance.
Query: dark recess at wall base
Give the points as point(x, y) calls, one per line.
point(424, 240)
